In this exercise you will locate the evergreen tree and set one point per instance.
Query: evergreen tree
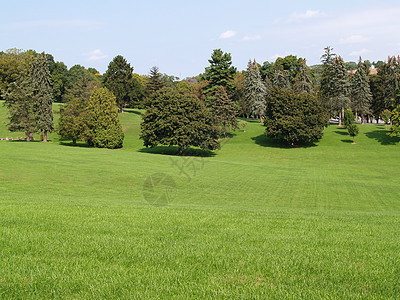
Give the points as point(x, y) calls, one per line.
point(361, 96)
point(155, 82)
point(390, 74)
point(348, 118)
point(281, 80)
point(395, 128)
point(220, 73)
point(223, 110)
point(340, 88)
point(104, 128)
point(118, 79)
point(21, 108)
point(303, 81)
point(178, 119)
point(255, 90)
point(42, 94)
point(325, 92)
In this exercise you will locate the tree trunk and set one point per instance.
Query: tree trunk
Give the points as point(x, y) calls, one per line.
point(261, 119)
point(28, 139)
point(45, 136)
point(74, 142)
point(340, 118)
point(31, 137)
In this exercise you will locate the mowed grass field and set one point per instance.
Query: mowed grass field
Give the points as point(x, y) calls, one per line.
point(253, 220)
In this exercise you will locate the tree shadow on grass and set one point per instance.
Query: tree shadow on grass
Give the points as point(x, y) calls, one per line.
point(341, 132)
point(174, 151)
point(381, 136)
point(347, 141)
point(132, 111)
point(264, 141)
point(69, 143)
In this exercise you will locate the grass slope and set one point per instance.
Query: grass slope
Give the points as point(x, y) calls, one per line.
point(254, 220)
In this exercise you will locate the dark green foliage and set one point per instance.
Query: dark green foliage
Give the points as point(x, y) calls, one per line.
point(223, 110)
point(40, 78)
point(352, 129)
point(290, 65)
point(72, 123)
point(294, 119)
point(361, 96)
point(155, 81)
point(120, 81)
point(59, 80)
point(340, 89)
point(390, 78)
point(303, 80)
point(21, 108)
point(180, 119)
point(281, 79)
point(220, 73)
point(378, 95)
point(326, 77)
point(104, 128)
point(255, 90)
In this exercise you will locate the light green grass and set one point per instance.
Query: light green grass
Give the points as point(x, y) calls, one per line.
point(252, 221)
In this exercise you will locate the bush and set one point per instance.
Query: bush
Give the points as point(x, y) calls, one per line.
point(295, 119)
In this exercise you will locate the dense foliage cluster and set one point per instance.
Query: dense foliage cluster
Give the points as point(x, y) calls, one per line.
point(295, 119)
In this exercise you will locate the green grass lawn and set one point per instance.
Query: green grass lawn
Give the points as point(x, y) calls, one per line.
point(253, 220)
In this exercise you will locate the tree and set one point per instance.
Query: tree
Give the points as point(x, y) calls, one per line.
point(42, 94)
point(104, 128)
point(72, 123)
point(340, 88)
point(220, 73)
point(352, 129)
point(290, 65)
point(281, 80)
point(395, 128)
point(255, 90)
point(361, 96)
point(348, 118)
point(294, 119)
point(119, 80)
point(303, 80)
point(155, 81)
point(386, 116)
point(239, 96)
point(59, 80)
point(325, 92)
point(180, 119)
point(224, 111)
point(21, 109)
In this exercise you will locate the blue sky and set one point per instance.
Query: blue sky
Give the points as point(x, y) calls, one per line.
point(179, 36)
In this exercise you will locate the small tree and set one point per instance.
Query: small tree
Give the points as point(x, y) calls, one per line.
point(348, 118)
point(255, 90)
point(386, 115)
point(155, 82)
point(104, 128)
point(352, 130)
point(395, 128)
point(294, 118)
point(73, 120)
point(180, 119)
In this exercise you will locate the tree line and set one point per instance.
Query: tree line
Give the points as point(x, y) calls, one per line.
point(293, 101)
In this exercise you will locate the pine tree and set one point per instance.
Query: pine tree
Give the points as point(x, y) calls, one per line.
point(281, 79)
point(42, 94)
point(224, 111)
point(361, 96)
point(21, 109)
point(303, 81)
point(220, 73)
point(325, 92)
point(255, 90)
point(118, 79)
point(340, 88)
point(154, 83)
point(104, 128)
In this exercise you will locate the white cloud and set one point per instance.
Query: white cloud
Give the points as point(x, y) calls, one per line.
point(354, 39)
point(227, 34)
point(359, 53)
point(252, 37)
point(309, 14)
point(95, 55)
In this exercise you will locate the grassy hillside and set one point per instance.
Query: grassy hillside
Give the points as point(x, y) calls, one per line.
point(252, 220)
